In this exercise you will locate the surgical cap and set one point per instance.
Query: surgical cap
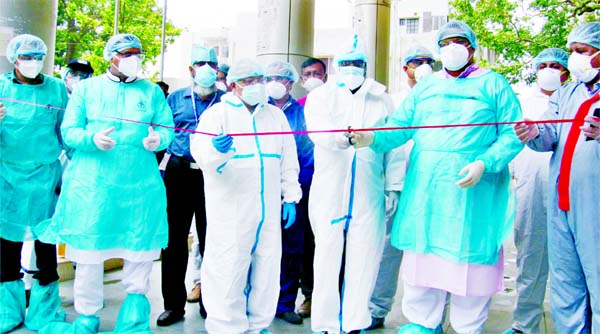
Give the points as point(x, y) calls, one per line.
point(457, 28)
point(244, 68)
point(588, 33)
point(120, 42)
point(354, 50)
point(224, 68)
point(416, 52)
point(552, 55)
point(282, 69)
point(201, 53)
point(25, 45)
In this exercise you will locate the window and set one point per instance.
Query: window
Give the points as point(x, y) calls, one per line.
point(411, 25)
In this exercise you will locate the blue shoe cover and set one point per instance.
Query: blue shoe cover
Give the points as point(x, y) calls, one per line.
point(44, 306)
point(413, 328)
point(439, 329)
point(134, 316)
point(84, 324)
point(510, 331)
point(12, 305)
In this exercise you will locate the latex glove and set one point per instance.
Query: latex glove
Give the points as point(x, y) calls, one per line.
point(342, 140)
point(222, 143)
point(288, 213)
point(473, 172)
point(593, 129)
point(362, 138)
point(103, 141)
point(391, 202)
point(2, 111)
point(526, 131)
point(151, 142)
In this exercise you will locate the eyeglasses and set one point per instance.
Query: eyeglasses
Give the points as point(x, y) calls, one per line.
point(129, 54)
point(420, 61)
point(356, 63)
point(455, 40)
point(202, 63)
point(31, 57)
point(82, 75)
point(283, 80)
point(250, 81)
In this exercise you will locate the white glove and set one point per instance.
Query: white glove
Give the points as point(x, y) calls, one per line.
point(2, 111)
point(391, 202)
point(103, 141)
point(473, 172)
point(526, 131)
point(342, 140)
point(362, 138)
point(151, 142)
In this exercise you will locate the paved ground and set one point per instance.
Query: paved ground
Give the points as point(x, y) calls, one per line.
point(500, 315)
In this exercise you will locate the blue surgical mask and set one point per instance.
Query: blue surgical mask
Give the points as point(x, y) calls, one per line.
point(205, 76)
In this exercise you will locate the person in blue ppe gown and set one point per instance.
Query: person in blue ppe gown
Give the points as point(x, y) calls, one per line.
point(457, 207)
point(347, 202)
point(573, 225)
point(184, 181)
point(416, 64)
point(113, 202)
point(31, 109)
point(249, 178)
point(530, 172)
point(280, 77)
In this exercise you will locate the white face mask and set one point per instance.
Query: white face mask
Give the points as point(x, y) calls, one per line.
point(71, 82)
point(422, 71)
point(130, 66)
point(221, 86)
point(254, 94)
point(549, 79)
point(312, 83)
point(30, 68)
point(276, 90)
point(351, 76)
point(454, 56)
point(580, 66)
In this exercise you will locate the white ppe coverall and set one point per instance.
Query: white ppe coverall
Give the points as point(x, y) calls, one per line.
point(347, 200)
point(244, 188)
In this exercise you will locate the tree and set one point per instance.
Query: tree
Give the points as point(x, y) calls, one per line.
point(84, 27)
point(517, 30)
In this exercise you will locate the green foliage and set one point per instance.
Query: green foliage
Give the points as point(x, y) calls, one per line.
point(517, 30)
point(84, 27)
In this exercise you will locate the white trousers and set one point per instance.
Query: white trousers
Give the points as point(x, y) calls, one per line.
point(425, 306)
point(364, 245)
point(88, 288)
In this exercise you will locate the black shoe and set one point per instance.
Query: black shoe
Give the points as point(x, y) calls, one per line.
point(376, 323)
point(290, 317)
point(168, 317)
point(202, 309)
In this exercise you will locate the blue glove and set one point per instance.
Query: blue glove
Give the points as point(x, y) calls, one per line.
point(222, 143)
point(289, 214)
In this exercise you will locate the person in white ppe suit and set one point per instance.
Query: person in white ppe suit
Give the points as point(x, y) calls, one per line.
point(249, 178)
point(347, 202)
point(530, 172)
point(416, 64)
point(573, 210)
point(113, 201)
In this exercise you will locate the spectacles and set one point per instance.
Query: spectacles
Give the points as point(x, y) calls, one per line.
point(250, 81)
point(357, 63)
point(82, 75)
point(31, 57)
point(202, 63)
point(129, 54)
point(419, 62)
point(283, 80)
point(455, 40)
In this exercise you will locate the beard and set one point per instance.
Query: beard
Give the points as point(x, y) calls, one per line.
point(205, 91)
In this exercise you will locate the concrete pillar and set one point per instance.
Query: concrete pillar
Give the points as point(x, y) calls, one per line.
point(286, 33)
point(372, 24)
point(35, 17)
